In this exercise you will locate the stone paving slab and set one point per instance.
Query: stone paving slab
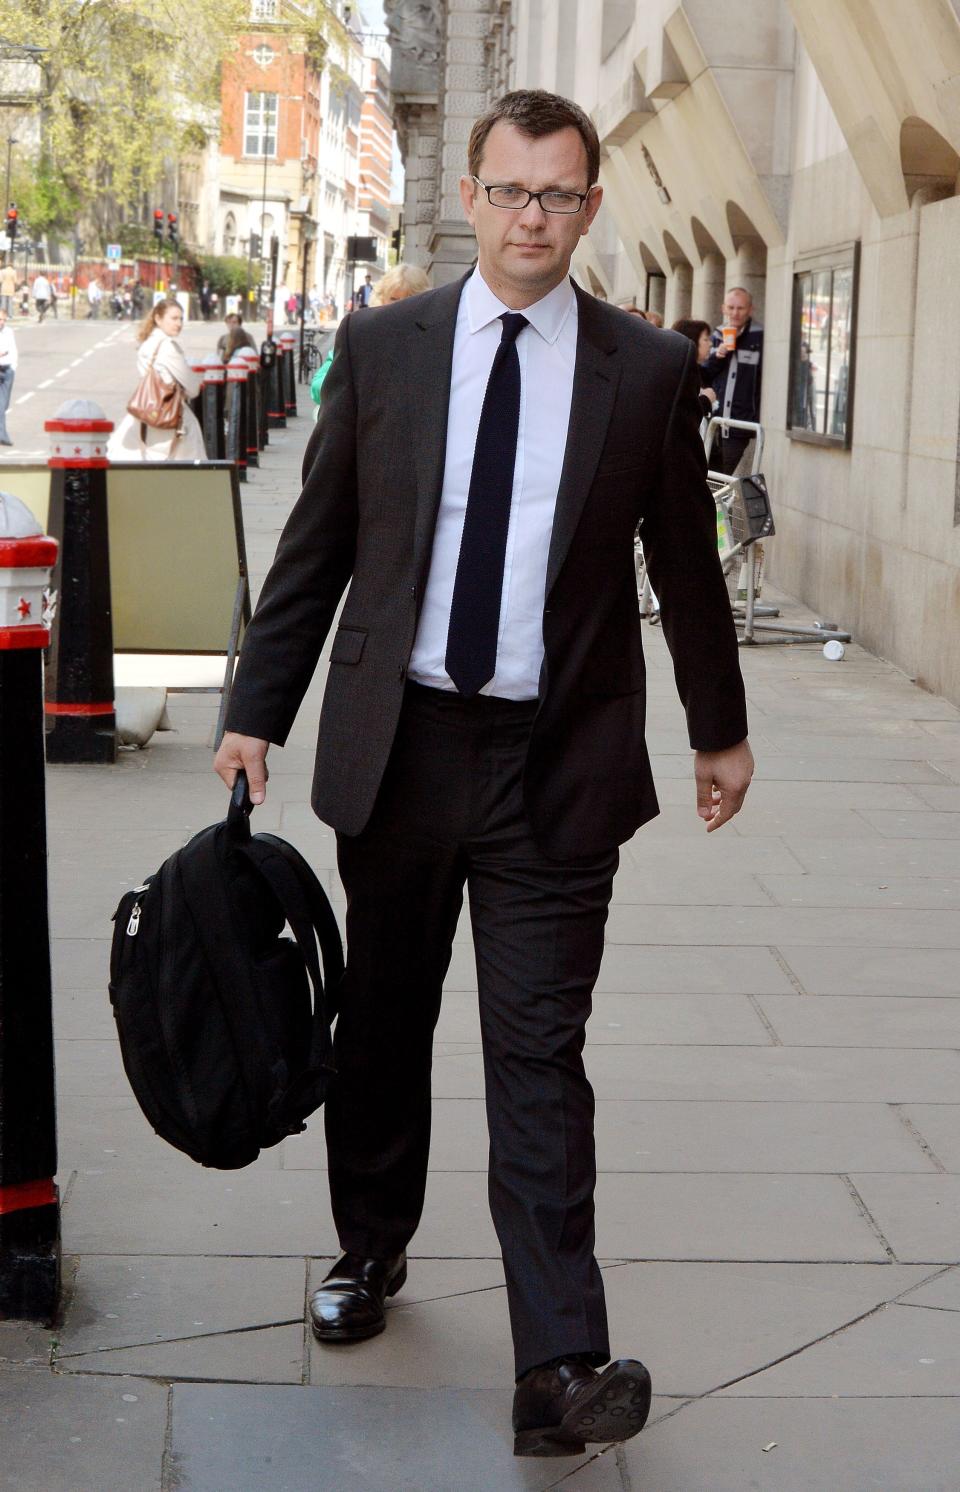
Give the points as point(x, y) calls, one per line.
point(697, 1020)
point(919, 1215)
point(822, 927)
point(942, 1293)
point(862, 1020)
point(873, 969)
point(819, 1445)
point(270, 1355)
point(777, 1074)
point(81, 1435)
point(361, 1439)
point(660, 969)
point(687, 1136)
point(895, 1352)
point(117, 1303)
point(939, 1124)
point(847, 891)
point(885, 859)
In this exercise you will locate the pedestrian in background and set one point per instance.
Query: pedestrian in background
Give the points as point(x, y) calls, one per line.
point(8, 370)
point(8, 288)
point(698, 333)
point(236, 335)
point(94, 297)
point(399, 283)
point(42, 295)
point(734, 369)
point(133, 440)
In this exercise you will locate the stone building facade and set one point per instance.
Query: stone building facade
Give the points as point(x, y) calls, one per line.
point(808, 150)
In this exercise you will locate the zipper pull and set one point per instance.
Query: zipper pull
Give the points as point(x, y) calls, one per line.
point(133, 926)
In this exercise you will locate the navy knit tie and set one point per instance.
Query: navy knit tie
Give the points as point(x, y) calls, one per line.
point(471, 659)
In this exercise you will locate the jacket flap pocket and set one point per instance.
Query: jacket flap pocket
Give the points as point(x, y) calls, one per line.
point(348, 645)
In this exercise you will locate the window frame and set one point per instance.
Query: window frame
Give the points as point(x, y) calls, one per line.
point(262, 133)
point(842, 256)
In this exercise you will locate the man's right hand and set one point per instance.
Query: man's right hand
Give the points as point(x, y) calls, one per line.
point(721, 350)
point(248, 752)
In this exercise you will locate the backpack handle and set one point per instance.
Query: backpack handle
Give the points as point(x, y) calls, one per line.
point(238, 814)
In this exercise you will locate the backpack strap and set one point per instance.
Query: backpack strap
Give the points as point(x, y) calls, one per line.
point(311, 918)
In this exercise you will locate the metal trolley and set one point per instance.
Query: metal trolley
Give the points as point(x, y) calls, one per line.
point(744, 516)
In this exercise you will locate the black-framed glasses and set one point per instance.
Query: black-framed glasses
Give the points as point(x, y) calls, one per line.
point(516, 198)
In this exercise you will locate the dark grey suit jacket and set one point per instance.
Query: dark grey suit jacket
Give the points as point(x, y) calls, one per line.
point(372, 478)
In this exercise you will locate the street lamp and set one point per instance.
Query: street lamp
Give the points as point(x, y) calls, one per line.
point(11, 142)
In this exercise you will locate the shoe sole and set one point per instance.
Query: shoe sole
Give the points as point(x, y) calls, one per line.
point(615, 1409)
point(361, 1333)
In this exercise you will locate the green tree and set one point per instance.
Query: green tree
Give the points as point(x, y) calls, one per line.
point(119, 83)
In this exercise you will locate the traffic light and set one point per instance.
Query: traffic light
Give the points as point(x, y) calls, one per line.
point(158, 224)
point(255, 246)
point(173, 237)
point(12, 224)
point(395, 241)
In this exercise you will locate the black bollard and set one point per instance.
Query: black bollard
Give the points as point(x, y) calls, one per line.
point(81, 726)
point(211, 409)
point(288, 343)
point(196, 404)
point(252, 360)
point(271, 365)
point(236, 409)
point(29, 1201)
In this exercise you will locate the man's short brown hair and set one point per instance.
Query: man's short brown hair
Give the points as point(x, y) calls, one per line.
point(535, 112)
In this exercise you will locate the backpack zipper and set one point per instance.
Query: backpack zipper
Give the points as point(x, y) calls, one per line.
point(133, 926)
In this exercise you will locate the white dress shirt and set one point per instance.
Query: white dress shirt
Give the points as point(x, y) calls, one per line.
point(547, 351)
point(8, 349)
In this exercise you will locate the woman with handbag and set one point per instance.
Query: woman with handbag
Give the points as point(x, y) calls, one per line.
point(159, 424)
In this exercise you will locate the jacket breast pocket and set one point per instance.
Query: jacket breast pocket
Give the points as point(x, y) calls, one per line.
point(348, 645)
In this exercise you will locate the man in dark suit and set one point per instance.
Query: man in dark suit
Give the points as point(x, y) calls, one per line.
point(483, 456)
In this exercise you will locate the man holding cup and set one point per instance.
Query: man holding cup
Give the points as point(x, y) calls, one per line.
point(733, 370)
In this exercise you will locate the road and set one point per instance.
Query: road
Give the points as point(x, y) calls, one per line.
point(81, 359)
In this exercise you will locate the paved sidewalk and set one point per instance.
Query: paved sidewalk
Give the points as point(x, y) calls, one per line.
point(774, 1051)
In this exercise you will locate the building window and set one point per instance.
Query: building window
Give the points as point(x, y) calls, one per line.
point(263, 10)
point(260, 124)
point(229, 234)
point(822, 346)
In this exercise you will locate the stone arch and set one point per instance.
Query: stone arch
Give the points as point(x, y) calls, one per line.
point(927, 160)
point(229, 234)
point(679, 287)
point(595, 286)
point(656, 286)
point(708, 276)
point(748, 267)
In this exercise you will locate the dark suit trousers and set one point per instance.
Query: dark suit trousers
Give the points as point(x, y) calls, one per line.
point(450, 814)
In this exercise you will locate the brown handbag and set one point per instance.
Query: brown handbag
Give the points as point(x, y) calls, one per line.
point(155, 403)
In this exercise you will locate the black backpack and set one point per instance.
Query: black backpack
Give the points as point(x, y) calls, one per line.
point(213, 1006)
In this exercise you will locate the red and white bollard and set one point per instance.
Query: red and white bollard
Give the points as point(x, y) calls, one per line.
point(29, 1202)
point(288, 343)
point(79, 680)
point(251, 357)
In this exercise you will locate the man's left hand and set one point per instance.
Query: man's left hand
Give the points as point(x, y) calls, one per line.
point(722, 780)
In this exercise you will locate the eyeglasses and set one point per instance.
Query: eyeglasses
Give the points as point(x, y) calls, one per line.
point(517, 198)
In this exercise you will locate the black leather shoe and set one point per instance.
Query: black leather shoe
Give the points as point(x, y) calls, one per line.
point(348, 1307)
point(558, 1407)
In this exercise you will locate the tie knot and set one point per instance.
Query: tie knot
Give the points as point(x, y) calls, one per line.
point(513, 324)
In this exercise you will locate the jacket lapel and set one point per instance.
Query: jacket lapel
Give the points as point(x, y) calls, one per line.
point(595, 379)
point(431, 349)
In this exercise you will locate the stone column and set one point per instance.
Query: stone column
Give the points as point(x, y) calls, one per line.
point(708, 288)
point(678, 294)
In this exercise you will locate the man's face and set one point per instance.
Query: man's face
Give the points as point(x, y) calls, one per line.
point(524, 253)
point(737, 308)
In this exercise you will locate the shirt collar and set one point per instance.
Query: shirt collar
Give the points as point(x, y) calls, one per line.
point(546, 316)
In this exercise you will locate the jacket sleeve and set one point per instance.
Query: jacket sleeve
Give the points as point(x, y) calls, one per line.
point(679, 534)
point(314, 562)
point(170, 360)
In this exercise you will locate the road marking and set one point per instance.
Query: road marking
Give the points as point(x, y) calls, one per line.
point(76, 363)
point(46, 383)
point(62, 374)
point(24, 397)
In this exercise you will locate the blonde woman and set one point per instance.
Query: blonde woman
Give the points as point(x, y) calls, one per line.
point(399, 283)
point(134, 441)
